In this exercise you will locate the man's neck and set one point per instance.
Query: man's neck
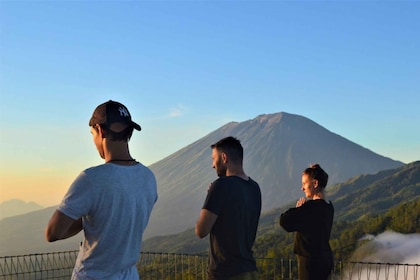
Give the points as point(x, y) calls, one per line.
point(116, 150)
point(238, 172)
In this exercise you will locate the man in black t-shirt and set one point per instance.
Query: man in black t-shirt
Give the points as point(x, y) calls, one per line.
point(230, 214)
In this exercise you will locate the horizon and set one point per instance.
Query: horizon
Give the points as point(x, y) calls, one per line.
point(184, 69)
point(336, 183)
point(54, 205)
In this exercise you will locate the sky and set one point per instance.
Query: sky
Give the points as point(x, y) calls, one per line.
point(186, 68)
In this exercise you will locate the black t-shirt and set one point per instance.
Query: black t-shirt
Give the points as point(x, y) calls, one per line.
point(237, 203)
point(312, 222)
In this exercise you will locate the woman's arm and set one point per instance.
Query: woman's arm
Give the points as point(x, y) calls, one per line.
point(294, 219)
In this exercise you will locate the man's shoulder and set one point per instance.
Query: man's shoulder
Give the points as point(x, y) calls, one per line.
point(224, 181)
point(235, 182)
point(234, 178)
point(252, 181)
point(94, 169)
point(108, 166)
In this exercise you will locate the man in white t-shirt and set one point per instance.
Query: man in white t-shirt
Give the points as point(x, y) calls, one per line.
point(110, 202)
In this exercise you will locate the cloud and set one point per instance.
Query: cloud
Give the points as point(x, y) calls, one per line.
point(384, 249)
point(169, 113)
point(391, 247)
point(178, 111)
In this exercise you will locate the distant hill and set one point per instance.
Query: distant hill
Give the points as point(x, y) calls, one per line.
point(277, 148)
point(375, 194)
point(16, 207)
point(359, 198)
point(24, 234)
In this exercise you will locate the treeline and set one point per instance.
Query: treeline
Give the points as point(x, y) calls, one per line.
point(345, 236)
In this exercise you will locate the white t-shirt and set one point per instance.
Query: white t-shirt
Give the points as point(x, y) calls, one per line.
point(115, 203)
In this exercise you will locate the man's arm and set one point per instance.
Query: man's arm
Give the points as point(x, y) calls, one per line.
point(61, 226)
point(205, 223)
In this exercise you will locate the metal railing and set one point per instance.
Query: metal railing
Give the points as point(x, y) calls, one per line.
point(168, 266)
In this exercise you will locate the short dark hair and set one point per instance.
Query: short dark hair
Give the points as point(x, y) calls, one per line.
point(123, 135)
point(316, 172)
point(230, 146)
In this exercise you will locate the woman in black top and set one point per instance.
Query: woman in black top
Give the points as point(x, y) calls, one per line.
point(312, 220)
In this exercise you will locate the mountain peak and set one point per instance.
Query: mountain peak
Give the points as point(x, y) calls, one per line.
point(277, 147)
point(16, 207)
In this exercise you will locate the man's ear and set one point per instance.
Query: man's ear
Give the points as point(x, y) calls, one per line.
point(224, 157)
point(101, 131)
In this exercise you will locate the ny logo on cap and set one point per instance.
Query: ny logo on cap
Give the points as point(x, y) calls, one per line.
point(123, 112)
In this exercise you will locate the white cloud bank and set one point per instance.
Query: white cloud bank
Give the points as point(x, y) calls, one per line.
point(387, 248)
point(390, 247)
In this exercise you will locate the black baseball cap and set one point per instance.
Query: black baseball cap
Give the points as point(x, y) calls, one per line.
point(112, 112)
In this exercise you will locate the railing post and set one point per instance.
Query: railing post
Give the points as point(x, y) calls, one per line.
point(163, 266)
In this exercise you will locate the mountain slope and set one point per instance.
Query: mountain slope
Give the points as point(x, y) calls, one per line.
point(277, 148)
point(376, 193)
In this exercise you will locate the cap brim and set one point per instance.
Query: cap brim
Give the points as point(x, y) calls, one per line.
point(136, 126)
